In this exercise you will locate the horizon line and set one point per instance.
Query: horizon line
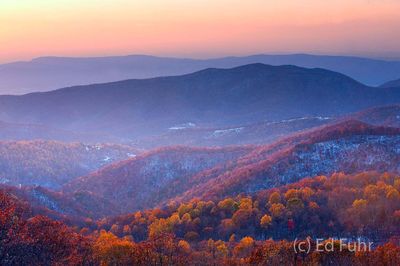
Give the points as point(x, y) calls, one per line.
point(348, 55)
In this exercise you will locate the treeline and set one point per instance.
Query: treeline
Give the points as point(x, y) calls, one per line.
point(168, 250)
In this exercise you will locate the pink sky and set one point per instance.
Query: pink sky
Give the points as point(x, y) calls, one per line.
point(195, 28)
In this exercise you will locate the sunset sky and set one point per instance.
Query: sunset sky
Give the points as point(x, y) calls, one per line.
point(194, 28)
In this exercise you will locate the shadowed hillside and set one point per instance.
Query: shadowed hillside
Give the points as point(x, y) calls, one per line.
point(52, 164)
point(213, 98)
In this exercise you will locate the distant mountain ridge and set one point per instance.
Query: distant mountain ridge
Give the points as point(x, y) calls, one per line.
point(49, 73)
point(392, 83)
point(213, 97)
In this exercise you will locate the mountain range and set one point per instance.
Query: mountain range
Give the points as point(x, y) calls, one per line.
point(215, 98)
point(49, 73)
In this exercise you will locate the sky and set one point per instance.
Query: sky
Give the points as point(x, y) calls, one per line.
point(197, 28)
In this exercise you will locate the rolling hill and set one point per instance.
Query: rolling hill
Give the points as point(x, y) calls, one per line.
point(147, 181)
point(256, 133)
point(253, 93)
point(349, 147)
point(47, 73)
point(72, 208)
point(51, 163)
point(140, 182)
point(379, 116)
point(265, 132)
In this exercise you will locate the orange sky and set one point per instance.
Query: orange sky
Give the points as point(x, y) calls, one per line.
point(194, 28)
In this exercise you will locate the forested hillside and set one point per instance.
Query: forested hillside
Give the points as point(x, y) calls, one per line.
point(52, 164)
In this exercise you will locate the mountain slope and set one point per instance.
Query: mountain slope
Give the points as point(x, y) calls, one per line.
point(69, 207)
point(15, 132)
point(255, 133)
point(349, 146)
point(379, 116)
point(267, 132)
point(213, 97)
point(46, 73)
point(51, 163)
point(145, 180)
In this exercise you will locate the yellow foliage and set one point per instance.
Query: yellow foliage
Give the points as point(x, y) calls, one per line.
point(244, 247)
point(291, 193)
point(184, 246)
point(277, 210)
point(266, 221)
point(110, 250)
point(174, 219)
point(306, 193)
point(246, 203)
point(186, 218)
point(360, 204)
point(184, 208)
point(371, 192)
point(159, 226)
point(227, 205)
point(275, 197)
point(393, 194)
point(396, 184)
point(222, 250)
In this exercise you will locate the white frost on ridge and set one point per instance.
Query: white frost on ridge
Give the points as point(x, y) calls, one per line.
point(299, 119)
point(223, 132)
point(183, 126)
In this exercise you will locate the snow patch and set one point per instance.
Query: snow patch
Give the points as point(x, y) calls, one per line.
point(107, 159)
point(46, 201)
point(183, 126)
point(4, 180)
point(321, 118)
point(223, 132)
point(98, 147)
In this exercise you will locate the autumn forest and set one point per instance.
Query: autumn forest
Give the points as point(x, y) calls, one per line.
point(204, 133)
